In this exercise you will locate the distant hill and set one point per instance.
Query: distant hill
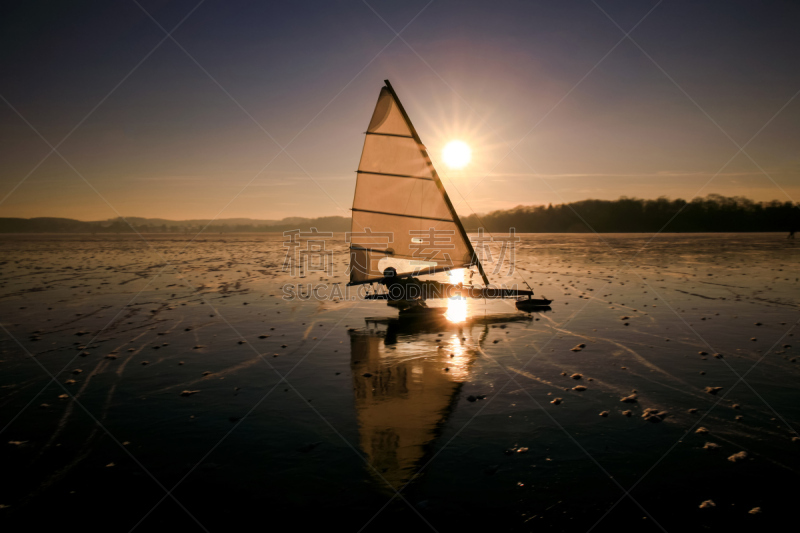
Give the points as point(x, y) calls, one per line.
point(713, 213)
point(159, 225)
point(200, 222)
point(139, 221)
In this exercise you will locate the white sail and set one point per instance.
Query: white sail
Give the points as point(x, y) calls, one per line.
point(400, 208)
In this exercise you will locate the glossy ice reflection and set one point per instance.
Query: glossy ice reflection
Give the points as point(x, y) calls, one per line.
point(406, 378)
point(126, 337)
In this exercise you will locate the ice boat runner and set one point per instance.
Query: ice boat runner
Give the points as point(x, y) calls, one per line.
point(401, 211)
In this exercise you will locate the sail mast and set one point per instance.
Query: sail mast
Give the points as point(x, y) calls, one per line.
point(439, 184)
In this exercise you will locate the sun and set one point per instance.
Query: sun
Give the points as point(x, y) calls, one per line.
point(456, 154)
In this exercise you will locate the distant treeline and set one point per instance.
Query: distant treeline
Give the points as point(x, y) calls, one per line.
point(714, 213)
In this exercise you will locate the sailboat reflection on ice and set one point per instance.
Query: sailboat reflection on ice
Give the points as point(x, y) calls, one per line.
point(407, 376)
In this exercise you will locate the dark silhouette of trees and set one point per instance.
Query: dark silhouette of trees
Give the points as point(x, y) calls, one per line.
point(714, 213)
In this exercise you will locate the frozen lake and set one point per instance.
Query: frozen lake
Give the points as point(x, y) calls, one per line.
point(170, 382)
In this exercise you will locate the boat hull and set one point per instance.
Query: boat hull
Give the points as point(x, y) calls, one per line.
point(532, 304)
point(423, 312)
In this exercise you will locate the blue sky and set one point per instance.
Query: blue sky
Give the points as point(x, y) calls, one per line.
point(555, 101)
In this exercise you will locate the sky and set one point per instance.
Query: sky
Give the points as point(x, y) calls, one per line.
point(192, 109)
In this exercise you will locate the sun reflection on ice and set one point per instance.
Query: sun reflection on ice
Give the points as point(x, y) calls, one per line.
point(457, 305)
point(458, 358)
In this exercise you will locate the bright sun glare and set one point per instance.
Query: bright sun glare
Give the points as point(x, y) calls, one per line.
point(456, 154)
point(456, 306)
